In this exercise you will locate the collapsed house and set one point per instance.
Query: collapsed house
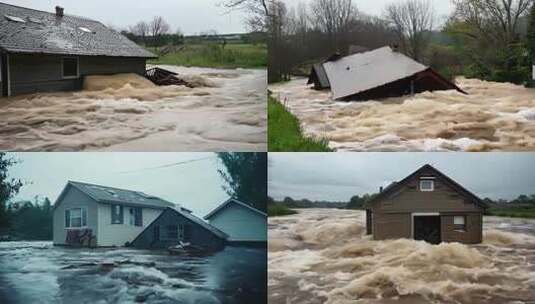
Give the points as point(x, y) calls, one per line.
point(47, 52)
point(426, 205)
point(377, 74)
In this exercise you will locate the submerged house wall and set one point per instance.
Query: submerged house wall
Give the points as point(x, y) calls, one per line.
point(31, 73)
point(233, 218)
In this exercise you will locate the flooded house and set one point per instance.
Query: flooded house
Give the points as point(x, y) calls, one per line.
point(426, 205)
point(46, 52)
point(179, 226)
point(376, 74)
point(233, 215)
point(99, 216)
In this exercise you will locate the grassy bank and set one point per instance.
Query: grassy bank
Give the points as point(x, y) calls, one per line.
point(513, 212)
point(279, 210)
point(217, 56)
point(285, 133)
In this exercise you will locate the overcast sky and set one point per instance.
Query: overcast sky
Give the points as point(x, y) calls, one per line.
point(338, 176)
point(191, 16)
point(195, 185)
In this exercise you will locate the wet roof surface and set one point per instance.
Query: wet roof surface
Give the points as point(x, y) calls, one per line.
point(360, 72)
point(200, 222)
point(104, 194)
point(24, 30)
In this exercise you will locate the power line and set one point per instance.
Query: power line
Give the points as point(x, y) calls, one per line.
point(169, 165)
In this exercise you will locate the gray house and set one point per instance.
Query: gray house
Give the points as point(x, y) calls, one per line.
point(93, 215)
point(43, 52)
point(177, 225)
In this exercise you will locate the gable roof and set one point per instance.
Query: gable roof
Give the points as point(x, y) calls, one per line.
point(361, 72)
point(45, 33)
point(229, 202)
point(190, 217)
point(110, 195)
point(319, 72)
point(396, 186)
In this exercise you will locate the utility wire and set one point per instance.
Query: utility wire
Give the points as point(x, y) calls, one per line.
point(169, 165)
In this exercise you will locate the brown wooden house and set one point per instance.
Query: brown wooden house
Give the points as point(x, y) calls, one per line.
point(427, 205)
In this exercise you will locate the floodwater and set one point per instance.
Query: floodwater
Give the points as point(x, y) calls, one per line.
point(493, 117)
point(37, 272)
point(324, 256)
point(226, 110)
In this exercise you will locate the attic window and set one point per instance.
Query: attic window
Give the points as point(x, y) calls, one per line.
point(84, 29)
point(15, 19)
point(427, 185)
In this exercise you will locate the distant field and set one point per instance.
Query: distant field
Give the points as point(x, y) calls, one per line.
point(279, 210)
point(513, 212)
point(285, 133)
point(216, 56)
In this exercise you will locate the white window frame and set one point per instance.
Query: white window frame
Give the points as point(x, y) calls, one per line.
point(82, 226)
point(77, 68)
point(432, 181)
point(463, 224)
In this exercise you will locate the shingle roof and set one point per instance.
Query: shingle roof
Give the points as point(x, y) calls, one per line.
point(43, 32)
point(110, 195)
point(202, 223)
point(228, 203)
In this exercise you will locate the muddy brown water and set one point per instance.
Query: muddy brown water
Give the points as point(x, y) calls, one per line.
point(226, 110)
point(493, 117)
point(324, 256)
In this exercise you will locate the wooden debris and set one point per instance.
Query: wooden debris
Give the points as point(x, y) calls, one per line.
point(164, 77)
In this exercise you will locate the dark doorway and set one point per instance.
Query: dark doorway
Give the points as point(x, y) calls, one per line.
point(3, 71)
point(427, 228)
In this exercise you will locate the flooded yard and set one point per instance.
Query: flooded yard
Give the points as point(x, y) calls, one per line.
point(225, 110)
point(493, 117)
point(324, 256)
point(37, 272)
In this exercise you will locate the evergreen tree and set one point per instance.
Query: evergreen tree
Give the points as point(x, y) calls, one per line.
point(9, 187)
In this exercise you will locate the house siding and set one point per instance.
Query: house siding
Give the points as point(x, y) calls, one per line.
point(118, 234)
point(73, 198)
point(241, 224)
point(195, 234)
point(392, 216)
point(43, 73)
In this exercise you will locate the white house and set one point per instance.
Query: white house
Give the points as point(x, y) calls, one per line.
point(93, 215)
point(240, 221)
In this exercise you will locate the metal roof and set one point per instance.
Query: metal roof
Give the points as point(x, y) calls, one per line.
point(322, 75)
point(364, 71)
point(110, 195)
point(46, 33)
point(228, 203)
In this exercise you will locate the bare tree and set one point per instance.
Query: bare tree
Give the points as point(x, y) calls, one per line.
point(258, 10)
point(412, 21)
point(158, 26)
point(141, 29)
point(334, 18)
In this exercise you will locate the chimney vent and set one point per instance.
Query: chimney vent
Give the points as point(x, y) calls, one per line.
point(380, 189)
point(59, 11)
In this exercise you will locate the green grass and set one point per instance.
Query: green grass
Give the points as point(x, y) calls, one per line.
point(279, 210)
point(215, 56)
point(285, 134)
point(513, 212)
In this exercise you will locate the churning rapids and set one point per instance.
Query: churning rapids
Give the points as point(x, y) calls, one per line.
point(225, 110)
point(493, 117)
point(324, 256)
point(37, 272)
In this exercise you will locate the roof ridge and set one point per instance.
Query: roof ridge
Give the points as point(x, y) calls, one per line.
point(47, 12)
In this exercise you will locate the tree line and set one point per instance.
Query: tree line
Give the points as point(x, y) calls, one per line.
point(355, 202)
point(489, 39)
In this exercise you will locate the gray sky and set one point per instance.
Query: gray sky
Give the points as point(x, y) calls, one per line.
point(195, 185)
point(338, 176)
point(191, 16)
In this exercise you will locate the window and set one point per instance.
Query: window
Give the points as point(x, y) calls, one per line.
point(136, 218)
point(181, 232)
point(15, 19)
point(459, 222)
point(170, 232)
point(117, 214)
point(70, 67)
point(427, 185)
point(75, 218)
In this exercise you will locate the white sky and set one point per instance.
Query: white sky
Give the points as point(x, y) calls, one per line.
point(196, 185)
point(191, 16)
point(338, 176)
